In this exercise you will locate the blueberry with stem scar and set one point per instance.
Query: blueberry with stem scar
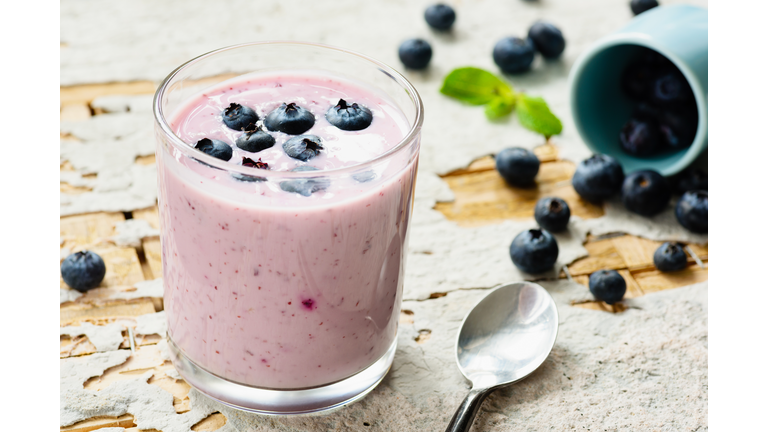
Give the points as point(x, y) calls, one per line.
point(670, 257)
point(607, 286)
point(238, 117)
point(534, 251)
point(303, 147)
point(349, 117)
point(290, 118)
point(255, 141)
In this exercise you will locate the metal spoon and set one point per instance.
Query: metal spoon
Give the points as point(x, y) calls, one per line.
point(502, 340)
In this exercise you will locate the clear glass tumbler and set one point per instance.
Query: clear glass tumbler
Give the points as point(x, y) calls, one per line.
point(274, 305)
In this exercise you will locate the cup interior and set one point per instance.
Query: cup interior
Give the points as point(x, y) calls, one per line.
point(600, 108)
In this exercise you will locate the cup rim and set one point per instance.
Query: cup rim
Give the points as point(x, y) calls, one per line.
point(187, 150)
point(644, 40)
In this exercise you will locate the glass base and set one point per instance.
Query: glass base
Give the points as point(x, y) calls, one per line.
point(322, 399)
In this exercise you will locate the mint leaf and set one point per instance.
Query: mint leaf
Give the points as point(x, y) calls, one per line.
point(475, 86)
point(535, 115)
point(499, 107)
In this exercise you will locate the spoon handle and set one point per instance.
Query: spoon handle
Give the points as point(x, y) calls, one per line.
point(465, 415)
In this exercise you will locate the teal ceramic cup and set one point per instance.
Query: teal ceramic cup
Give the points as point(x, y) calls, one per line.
point(600, 108)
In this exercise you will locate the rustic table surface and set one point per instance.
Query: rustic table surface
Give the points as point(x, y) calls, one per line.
point(641, 365)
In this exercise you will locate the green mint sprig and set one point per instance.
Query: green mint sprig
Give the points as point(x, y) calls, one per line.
point(480, 87)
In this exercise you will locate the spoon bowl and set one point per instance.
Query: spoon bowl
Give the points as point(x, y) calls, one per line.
point(503, 339)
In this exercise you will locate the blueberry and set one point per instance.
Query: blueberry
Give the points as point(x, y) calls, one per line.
point(513, 55)
point(670, 257)
point(678, 127)
point(440, 16)
point(645, 192)
point(670, 88)
point(534, 251)
point(637, 79)
point(598, 178)
point(415, 53)
point(640, 137)
point(349, 117)
point(239, 117)
point(248, 162)
point(304, 187)
point(303, 147)
point(690, 179)
point(289, 118)
point(83, 270)
point(517, 166)
point(692, 211)
point(255, 140)
point(607, 286)
point(547, 39)
point(215, 148)
point(552, 214)
point(640, 6)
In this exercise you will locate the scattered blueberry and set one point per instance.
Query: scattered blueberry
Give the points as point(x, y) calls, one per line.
point(690, 179)
point(547, 39)
point(415, 53)
point(670, 257)
point(534, 251)
point(255, 140)
point(248, 162)
point(239, 117)
point(513, 55)
point(640, 137)
point(670, 88)
point(517, 166)
point(304, 187)
point(349, 117)
point(637, 80)
point(83, 270)
point(640, 6)
point(440, 16)
point(692, 211)
point(607, 286)
point(364, 176)
point(598, 178)
point(303, 147)
point(678, 127)
point(645, 192)
point(215, 148)
point(289, 118)
point(552, 214)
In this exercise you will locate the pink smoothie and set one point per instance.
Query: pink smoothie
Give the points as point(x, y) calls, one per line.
point(271, 288)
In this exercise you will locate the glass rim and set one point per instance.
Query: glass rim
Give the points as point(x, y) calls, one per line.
point(189, 151)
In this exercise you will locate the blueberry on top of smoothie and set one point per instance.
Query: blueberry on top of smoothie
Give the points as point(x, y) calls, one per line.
point(289, 118)
point(304, 187)
point(255, 140)
point(349, 117)
point(303, 147)
point(248, 162)
point(239, 117)
point(215, 148)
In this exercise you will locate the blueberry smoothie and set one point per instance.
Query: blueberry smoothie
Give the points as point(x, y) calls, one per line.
point(285, 282)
